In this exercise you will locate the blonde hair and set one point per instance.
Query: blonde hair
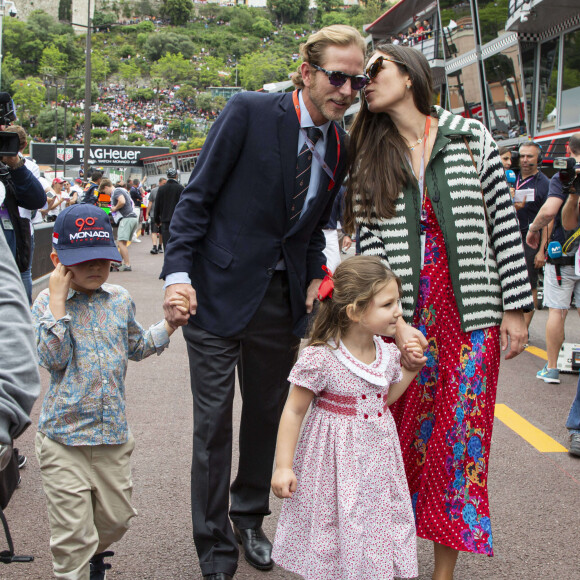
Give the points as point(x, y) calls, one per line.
point(313, 50)
point(356, 281)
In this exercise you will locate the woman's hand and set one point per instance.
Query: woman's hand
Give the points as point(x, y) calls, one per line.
point(284, 482)
point(513, 326)
point(410, 358)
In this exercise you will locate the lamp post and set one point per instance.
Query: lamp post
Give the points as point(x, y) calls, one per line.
point(13, 12)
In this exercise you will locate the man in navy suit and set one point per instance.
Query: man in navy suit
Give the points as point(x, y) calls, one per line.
point(254, 255)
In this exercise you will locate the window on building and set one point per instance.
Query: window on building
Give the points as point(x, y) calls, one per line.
point(457, 28)
point(548, 85)
point(570, 102)
point(504, 94)
point(529, 71)
point(493, 15)
point(464, 93)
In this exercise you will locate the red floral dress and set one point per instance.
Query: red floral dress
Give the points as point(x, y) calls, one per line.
point(445, 418)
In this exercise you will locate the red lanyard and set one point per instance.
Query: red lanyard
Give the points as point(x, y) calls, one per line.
point(311, 147)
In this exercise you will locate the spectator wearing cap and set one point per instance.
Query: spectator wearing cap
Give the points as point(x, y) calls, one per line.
point(58, 200)
point(77, 187)
point(86, 333)
point(125, 217)
point(167, 197)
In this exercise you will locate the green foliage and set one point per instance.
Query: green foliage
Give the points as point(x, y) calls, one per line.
point(186, 93)
point(204, 101)
point(99, 134)
point(162, 143)
point(53, 62)
point(172, 68)
point(262, 27)
point(193, 143)
point(132, 137)
point(288, 10)
point(129, 71)
point(146, 25)
point(178, 11)
point(260, 68)
point(104, 19)
point(141, 95)
point(329, 5)
point(29, 95)
point(207, 73)
point(45, 122)
point(100, 120)
point(330, 18)
point(169, 42)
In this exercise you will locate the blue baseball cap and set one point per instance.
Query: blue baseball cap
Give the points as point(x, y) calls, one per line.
point(83, 233)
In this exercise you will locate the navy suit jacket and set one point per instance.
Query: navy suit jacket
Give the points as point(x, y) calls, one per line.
point(230, 227)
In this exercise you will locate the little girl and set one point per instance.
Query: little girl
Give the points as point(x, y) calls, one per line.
point(348, 514)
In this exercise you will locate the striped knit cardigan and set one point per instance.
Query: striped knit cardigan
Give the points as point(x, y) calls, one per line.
point(486, 264)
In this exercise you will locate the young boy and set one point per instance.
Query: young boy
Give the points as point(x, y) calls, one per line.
point(86, 333)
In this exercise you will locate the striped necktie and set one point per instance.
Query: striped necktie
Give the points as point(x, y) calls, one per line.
point(303, 171)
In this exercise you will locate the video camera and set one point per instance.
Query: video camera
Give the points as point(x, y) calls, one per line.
point(9, 142)
point(568, 173)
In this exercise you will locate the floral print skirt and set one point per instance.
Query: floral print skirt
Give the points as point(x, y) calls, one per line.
point(445, 418)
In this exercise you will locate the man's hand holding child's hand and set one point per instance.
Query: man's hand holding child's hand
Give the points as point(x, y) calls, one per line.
point(179, 300)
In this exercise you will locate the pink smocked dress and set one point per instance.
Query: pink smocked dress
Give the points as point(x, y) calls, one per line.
point(351, 516)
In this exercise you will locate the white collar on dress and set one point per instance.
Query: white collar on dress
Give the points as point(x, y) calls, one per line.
point(375, 373)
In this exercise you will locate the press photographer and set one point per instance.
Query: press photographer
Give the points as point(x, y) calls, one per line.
point(560, 278)
point(18, 187)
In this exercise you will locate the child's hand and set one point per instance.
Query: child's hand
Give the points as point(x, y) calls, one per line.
point(414, 348)
point(58, 286)
point(181, 301)
point(284, 482)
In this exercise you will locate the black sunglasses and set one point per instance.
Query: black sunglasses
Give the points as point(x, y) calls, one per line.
point(374, 68)
point(337, 78)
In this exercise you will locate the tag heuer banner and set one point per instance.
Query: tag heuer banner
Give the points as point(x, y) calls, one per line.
point(105, 155)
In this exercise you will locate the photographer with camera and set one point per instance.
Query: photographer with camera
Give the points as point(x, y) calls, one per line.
point(560, 280)
point(18, 187)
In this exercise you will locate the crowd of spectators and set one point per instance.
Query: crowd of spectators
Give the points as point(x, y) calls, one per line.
point(415, 34)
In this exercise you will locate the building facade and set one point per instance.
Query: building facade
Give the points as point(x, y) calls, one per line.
point(512, 64)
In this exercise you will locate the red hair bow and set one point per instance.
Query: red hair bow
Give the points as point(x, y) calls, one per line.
point(326, 286)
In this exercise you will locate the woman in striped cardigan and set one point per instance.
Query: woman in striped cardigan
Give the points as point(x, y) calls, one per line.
point(428, 195)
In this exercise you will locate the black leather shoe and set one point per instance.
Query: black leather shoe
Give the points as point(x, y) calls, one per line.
point(257, 547)
point(218, 576)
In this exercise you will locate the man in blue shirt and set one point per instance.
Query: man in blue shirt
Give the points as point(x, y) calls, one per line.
point(560, 281)
point(531, 178)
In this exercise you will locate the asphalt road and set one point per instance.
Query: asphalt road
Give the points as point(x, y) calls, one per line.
point(535, 497)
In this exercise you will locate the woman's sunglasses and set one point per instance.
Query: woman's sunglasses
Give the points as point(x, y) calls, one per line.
point(374, 68)
point(337, 78)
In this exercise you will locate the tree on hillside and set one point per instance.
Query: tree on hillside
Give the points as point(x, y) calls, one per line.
point(172, 68)
point(328, 5)
point(257, 69)
point(288, 10)
point(29, 93)
point(53, 62)
point(160, 44)
point(177, 11)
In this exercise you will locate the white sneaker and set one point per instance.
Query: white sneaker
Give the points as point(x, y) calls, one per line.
point(135, 239)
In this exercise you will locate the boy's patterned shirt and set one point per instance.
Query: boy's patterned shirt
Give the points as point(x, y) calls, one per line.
point(87, 353)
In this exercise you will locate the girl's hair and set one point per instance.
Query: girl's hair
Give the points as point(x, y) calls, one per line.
point(503, 150)
point(377, 152)
point(313, 50)
point(356, 281)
